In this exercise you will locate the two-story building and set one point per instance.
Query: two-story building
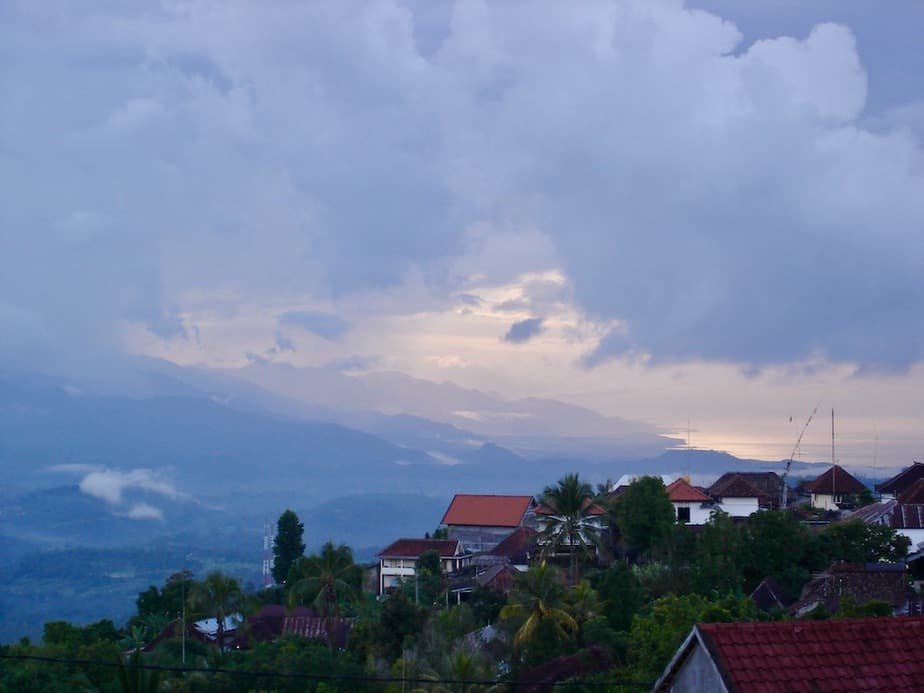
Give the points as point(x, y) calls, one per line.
point(398, 561)
point(480, 522)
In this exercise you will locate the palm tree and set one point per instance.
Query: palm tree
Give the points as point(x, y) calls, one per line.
point(218, 595)
point(571, 519)
point(537, 599)
point(324, 581)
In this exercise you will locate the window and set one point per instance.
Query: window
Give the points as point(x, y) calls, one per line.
point(683, 515)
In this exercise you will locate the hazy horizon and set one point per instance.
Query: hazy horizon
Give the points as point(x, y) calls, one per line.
point(703, 218)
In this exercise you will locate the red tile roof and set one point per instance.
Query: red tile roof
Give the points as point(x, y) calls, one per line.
point(836, 480)
point(903, 479)
point(868, 654)
point(680, 491)
point(487, 511)
point(413, 548)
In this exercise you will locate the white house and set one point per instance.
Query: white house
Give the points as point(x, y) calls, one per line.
point(906, 519)
point(691, 506)
point(735, 495)
point(398, 561)
point(833, 488)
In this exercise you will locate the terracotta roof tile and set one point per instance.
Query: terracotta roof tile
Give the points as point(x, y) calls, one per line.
point(680, 491)
point(903, 479)
point(873, 654)
point(836, 479)
point(487, 511)
point(736, 486)
point(914, 494)
point(413, 548)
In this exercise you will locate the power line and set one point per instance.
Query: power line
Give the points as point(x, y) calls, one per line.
point(312, 677)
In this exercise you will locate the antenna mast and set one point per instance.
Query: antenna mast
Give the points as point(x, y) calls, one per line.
point(269, 534)
point(833, 459)
point(784, 493)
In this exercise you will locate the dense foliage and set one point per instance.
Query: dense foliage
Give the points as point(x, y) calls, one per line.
point(614, 624)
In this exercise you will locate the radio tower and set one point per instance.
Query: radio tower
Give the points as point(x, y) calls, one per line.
point(269, 536)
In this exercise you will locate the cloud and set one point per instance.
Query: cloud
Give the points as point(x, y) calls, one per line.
point(110, 485)
point(283, 343)
point(144, 511)
point(168, 327)
point(323, 325)
point(523, 331)
point(722, 201)
point(469, 300)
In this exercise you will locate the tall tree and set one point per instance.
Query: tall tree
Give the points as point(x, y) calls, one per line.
point(644, 514)
point(217, 596)
point(571, 521)
point(720, 551)
point(288, 546)
point(777, 544)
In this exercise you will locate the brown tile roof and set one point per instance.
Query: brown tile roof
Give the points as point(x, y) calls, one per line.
point(590, 508)
point(733, 485)
point(914, 494)
point(769, 487)
point(518, 544)
point(863, 582)
point(680, 491)
point(868, 654)
point(835, 480)
point(413, 548)
point(902, 480)
point(487, 511)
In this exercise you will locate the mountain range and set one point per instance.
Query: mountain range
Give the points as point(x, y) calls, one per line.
point(187, 466)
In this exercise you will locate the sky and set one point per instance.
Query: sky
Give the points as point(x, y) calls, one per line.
point(707, 216)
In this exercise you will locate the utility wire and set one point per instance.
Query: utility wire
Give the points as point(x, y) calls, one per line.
point(313, 677)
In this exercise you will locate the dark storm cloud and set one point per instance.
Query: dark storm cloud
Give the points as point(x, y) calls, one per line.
point(720, 196)
point(323, 325)
point(523, 331)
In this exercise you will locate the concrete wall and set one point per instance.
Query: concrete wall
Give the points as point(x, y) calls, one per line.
point(697, 673)
point(739, 507)
point(698, 514)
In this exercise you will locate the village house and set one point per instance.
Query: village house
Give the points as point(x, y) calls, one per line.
point(867, 654)
point(906, 478)
point(481, 522)
point(833, 488)
point(398, 561)
point(907, 519)
point(862, 582)
point(739, 494)
point(691, 505)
